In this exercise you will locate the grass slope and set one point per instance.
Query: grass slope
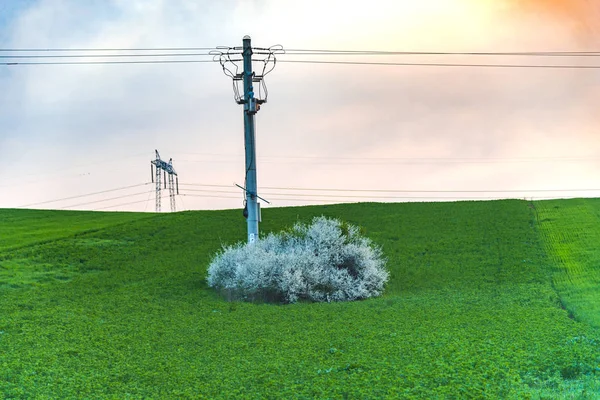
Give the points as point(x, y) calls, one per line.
point(28, 228)
point(19, 228)
point(470, 312)
point(571, 231)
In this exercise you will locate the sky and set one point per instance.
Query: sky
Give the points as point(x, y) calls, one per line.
point(370, 132)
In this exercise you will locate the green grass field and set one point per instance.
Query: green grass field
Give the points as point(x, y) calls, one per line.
point(571, 234)
point(103, 305)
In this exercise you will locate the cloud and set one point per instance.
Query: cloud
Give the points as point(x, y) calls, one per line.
point(579, 16)
point(97, 121)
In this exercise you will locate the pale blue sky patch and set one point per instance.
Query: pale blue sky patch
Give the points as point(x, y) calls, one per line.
point(9, 10)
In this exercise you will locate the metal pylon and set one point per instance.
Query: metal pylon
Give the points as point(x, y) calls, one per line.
point(172, 192)
point(163, 168)
point(158, 180)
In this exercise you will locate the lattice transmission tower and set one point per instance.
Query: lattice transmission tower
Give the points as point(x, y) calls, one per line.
point(158, 170)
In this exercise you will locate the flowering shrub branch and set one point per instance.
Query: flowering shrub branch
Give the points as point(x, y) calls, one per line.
point(324, 261)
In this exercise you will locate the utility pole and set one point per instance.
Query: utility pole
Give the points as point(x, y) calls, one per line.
point(250, 108)
point(251, 98)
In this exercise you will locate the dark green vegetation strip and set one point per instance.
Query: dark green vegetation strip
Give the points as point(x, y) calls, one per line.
point(470, 312)
point(19, 228)
point(571, 232)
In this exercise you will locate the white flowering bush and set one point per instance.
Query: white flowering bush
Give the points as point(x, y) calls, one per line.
point(324, 261)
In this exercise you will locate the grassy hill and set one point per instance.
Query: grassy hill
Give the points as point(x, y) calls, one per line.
point(103, 305)
point(571, 235)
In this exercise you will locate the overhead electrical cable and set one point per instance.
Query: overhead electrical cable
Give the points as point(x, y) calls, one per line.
point(398, 64)
point(375, 199)
point(400, 190)
point(105, 200)
point(109, 49)
point(317, 196)
point(429, 191)
point(294, 51)
point(106, 62)
point(83, 195)
point(211, 191)
point(210, 196)
point(59, 171)
point(177, 52)
point(407, 64)
point(397, 159)
point(119, 205)
point(203, 184)
point(237, 198)
point(105, 55)
point(388, 162)
point(148, 200)
point(442, 53)
point(338, 195)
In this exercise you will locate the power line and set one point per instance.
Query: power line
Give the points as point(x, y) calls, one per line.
point(430, 191)
point(442, 53)
point(182, 203)
point(310, 197)
point(59, 171)
point(568, 53)
point(321, 196)
point(398, 190)
point(210, 196)
point(107, 62)
point(147, 200)
point(104, 200)
point(119, 205)
point(457, 65)
point(343, 199)
point(83, 195)
point(111, 49)
point(211, 191)
point(392, 161)
point(385, 191)
point(106, 55)
point(237, 198)
point(207, 185)
point(369, 197)
point(404, 64)
point(345, 202)
point(442, 159)
point(295, 52)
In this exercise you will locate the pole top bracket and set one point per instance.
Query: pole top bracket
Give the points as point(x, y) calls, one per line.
point(232, 63)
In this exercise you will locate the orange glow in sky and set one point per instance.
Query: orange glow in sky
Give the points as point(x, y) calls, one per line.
point(581, 15)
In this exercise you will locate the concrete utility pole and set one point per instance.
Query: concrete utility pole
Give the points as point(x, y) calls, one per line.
point(251, 98)
point(251, 106)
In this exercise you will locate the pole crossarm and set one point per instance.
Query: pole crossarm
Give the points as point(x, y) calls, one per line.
point(252, 194)
point(167, 167)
